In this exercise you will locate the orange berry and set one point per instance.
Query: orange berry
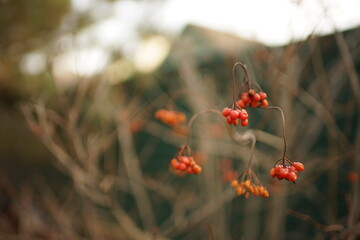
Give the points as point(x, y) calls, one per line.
point(174, 163)
point(264, 103)
point(184, 159)
point(292, 176)
point(190, 170)
point(226, 112)
point(251, 92)
point(234, 183)
point(182, 167)
point(197, 169)
point(244, 123)
point(262, 95)
point(241, 103)
point(299, 166)
point(236, 122)
point(256, 97)
point(247, 195)
point(245, 97)
point(254, 104)
point(272, 172)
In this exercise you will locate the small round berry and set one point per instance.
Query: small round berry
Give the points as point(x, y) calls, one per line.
point(190, 170)
point(182, 167)
point(299, 166)
point(234, 114)
point(283, 173)
point(277, 169)
point(292, 169)
point(192, 161)
point(174, 163)
point(244, 123)
point(256, 97)
point(272, 172)
point(226, 112)
point(292, 176)
point(251, 92)
point(245, 97)
point(241, 115)
point(262, 95)
point(254, 104)
point(236, 122)
point(197, 169)
point(244, 115)
point(234, 183)
point(241, 103)
point(247, 195)
point(229, 120)
point(264, 103)
point(184, 159)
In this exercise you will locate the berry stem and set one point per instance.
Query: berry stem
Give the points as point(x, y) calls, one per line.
point(283, 121)
point(247, 78)
point(253, 142)
point(194, 117)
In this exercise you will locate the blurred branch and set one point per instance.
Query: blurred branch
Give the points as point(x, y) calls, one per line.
point(316, 224)
point(132, 165)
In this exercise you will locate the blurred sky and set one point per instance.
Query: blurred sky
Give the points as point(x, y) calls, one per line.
point(117, 26)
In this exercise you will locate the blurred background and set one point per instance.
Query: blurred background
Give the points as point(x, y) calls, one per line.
point(83, 157)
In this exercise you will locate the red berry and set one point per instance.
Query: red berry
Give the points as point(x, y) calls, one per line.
point(197, 169)
point(241, 103)
point(272, 172)
point(256, 97)
point(236, 122)
point(251, 92)
point(277, 169)
point(299, 166)
point(292, 176)
point(244, 123)
point(182, 167)
point(245, 97)
point(264, 103)
point(190, 170)
point(254, 104)
point(292, 169)
point(226, 112)
point(234, 114)
point(262, 95)
point(229, 120)
point(241, 115)
point(184, 159)
point(174, 163)
point(192, 162)
point(244, 115)
point(283, 173)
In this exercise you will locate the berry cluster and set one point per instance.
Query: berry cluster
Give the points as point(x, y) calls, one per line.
point(185, 164)
point(253, 99)
point(247, 187)
point(233, 116)
point(282, 171)
point(170, 117)
point(184, 161)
